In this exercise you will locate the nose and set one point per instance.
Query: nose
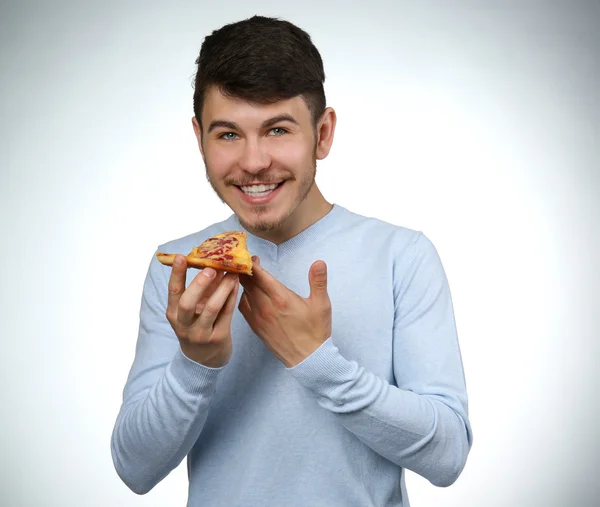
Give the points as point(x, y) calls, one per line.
point(254, 157)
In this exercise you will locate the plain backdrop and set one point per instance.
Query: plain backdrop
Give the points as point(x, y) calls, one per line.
point(477, 123)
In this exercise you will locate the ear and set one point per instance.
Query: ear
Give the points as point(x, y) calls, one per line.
point(198, 134)
point(325, 132)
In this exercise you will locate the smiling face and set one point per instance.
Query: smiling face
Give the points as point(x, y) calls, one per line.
point(261, 161)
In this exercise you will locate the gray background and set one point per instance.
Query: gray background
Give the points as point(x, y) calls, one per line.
point(475, 122)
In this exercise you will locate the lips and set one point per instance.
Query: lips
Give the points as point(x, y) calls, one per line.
point(258, 190)
point(264, 197)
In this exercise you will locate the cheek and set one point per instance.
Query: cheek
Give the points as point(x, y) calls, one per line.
point(219, 161)
point(292, 154)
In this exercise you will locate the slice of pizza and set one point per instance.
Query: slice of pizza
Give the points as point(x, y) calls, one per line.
point(226, 251)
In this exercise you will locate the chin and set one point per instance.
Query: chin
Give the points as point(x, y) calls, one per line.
point(257, 222)
point(262, 218)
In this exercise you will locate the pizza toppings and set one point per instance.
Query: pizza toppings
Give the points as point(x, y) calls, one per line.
point(226, 251)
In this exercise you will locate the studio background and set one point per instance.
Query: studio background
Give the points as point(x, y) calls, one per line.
point(477, 123)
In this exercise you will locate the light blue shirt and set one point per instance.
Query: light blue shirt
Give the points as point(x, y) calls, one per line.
point(386, 392)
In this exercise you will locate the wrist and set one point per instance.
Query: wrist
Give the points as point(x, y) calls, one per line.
point(208, 356)
point(298, 355)
point(192, 376)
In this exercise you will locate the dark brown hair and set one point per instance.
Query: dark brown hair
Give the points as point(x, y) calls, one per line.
point(261, 60)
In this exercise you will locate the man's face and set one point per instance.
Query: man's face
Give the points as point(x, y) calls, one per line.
point(260, 159)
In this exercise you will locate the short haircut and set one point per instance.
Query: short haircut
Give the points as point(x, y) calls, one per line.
point(261, 60)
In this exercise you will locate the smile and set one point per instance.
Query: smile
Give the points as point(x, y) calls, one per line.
point(259, 190)
point(259, 194)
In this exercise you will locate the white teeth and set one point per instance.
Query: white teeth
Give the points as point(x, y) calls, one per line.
point(258, 189)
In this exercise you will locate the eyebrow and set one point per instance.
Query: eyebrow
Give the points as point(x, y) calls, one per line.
point(280, 118)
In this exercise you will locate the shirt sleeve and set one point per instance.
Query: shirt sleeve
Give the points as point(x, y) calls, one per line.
point(420, 423)
point(165, 400)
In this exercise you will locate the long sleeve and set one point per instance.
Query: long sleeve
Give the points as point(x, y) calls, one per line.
point(420, 423)
point(166, 398)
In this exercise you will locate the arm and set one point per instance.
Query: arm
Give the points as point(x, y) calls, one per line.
point(166, 398)
point(422, 422)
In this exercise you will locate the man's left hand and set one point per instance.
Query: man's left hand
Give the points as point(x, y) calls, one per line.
point(292, 327)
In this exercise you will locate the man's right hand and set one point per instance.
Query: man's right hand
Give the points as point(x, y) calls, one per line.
point(201, 314)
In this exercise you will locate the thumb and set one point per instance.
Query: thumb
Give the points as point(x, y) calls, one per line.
point(317, 279)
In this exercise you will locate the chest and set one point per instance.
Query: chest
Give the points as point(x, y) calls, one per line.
point(362, 314)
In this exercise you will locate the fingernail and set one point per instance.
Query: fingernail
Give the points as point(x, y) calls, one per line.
point(178, 262)
point(209, 272)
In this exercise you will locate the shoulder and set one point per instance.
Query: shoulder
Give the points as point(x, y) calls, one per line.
point(382, 235)
point(401, 249)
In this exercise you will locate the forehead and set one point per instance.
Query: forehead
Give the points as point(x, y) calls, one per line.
point(222, 107)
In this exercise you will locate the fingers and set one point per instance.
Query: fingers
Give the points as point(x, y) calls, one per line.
point(247, 283)
point(186, 309)
point(209, 292)
point(176, 286)
point(217, 302)
point(223, 321)
point(252, 292)
point(262, 279)
point(250, 283)
point(244, 305)
point(317, 279)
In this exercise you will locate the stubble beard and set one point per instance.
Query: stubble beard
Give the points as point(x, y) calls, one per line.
point(261, 225)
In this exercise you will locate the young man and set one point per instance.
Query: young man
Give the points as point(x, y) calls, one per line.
point(338, 365)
